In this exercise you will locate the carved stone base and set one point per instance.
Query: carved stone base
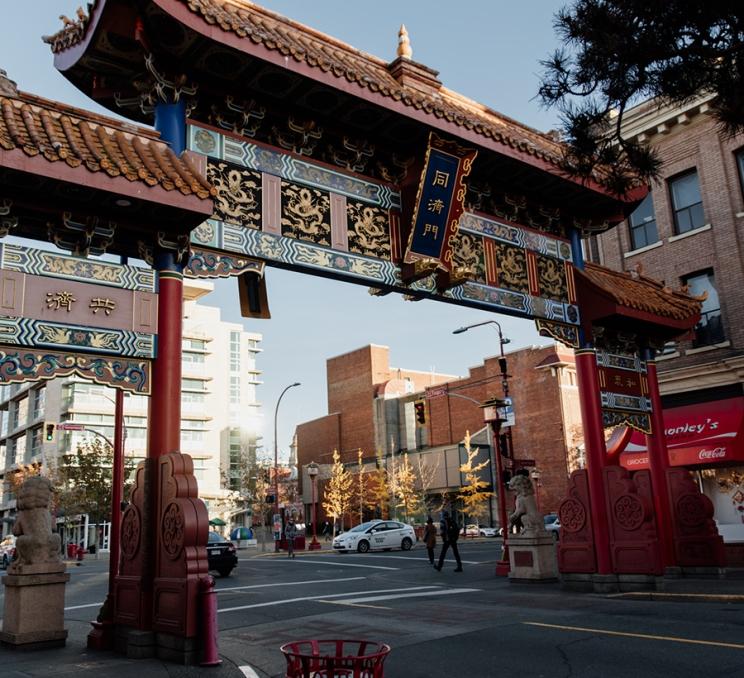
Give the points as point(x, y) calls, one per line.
point(532, 558)
point(33, 615)
point(134, 643)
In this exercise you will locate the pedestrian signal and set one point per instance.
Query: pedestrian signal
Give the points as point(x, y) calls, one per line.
point(49, 432)
point(270, 498)
point(420, 408)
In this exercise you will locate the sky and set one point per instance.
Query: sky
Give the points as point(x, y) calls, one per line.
point(488, 50)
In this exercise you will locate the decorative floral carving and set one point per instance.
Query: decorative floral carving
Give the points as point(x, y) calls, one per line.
point(131, 529)
point(566, 334)
point(572, 515)
point(629, 512)
point(172, 530)
point(368, 230)
point(306, 214)
point(238, 199)
point(511, 263)
point(691, 510)
point(467, 252)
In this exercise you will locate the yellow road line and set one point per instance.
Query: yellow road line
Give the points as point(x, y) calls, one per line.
point(672, 639)
point(341, 602)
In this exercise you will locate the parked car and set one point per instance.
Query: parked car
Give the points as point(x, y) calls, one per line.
point(376, 534)
point(7, 550)
point(484, 531)
point(470, 531)
point(221, 554)
point(553, 524)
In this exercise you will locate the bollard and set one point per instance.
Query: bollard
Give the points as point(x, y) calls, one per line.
point(210, 655)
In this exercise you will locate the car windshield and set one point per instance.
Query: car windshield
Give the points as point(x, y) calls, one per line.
point(550, 518)
point(215, 536)
point(364, 526)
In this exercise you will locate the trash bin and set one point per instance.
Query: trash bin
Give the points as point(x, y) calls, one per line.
point(72, 550)
point(335, 658)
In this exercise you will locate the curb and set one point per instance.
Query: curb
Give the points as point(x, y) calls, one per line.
point(680, 597)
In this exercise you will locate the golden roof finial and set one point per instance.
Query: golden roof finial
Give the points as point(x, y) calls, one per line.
point(404, 43)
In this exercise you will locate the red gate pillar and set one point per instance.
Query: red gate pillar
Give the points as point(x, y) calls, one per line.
point(596, 452)
point(658, 461)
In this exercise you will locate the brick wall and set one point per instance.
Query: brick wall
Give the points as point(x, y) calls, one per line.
point(697, 145)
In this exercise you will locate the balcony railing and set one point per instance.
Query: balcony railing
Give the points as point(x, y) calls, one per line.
point(709, 330)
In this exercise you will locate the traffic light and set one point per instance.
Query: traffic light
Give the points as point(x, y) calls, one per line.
point(49, 432)
point(420, 408)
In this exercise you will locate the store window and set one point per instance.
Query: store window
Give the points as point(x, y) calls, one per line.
point(687, 202)
point(643, 224)
point(709, 330)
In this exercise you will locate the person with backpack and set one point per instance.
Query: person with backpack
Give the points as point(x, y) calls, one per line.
point(450, 533)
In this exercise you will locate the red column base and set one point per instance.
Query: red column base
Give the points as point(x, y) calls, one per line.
point(101, 636)
point(314, 545)
point(502, 568)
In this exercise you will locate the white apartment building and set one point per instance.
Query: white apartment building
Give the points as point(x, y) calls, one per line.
point(221, 418)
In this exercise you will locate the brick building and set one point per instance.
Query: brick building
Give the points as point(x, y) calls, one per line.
point(688, 232)
point(372, 407)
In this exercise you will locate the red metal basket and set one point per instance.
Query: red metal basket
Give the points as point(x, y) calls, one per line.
point(335, 658)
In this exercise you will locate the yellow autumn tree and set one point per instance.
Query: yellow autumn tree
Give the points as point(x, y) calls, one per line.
point(378, 496)
point(406, 494)
point(338, 491)
point(473, 494)
point(362, 482)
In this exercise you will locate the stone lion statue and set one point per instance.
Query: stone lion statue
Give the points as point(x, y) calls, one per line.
point(525, 513)
point(36, 543)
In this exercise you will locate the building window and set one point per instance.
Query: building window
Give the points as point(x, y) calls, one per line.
point(643, 224)
point(235, 390)
point(686, 202)
point(235, 351)
point(36, 441)
point(709, 330)
point(740, 167)
point(39, 396)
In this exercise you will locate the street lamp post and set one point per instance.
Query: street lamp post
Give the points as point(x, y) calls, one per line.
point(492, 414)
point(276, 458)
point(312, 471)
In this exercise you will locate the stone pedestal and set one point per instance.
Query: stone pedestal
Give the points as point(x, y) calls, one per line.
point(532, 558)
point(34, 613)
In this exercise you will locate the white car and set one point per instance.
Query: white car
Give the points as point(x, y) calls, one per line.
point(376, 534)
point(487, 531)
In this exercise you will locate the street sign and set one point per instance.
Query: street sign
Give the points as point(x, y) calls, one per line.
point(525, 462)
point(436, 392)
point(507, 413)
point(71, 427)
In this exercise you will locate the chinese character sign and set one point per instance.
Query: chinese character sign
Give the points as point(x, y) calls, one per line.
point(440, 202)
point(624, 392)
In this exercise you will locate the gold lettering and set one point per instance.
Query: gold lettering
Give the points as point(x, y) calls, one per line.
point(435, 206)
point(440, 179)
point(102, 303)
point(431, 229)
point(60, 300)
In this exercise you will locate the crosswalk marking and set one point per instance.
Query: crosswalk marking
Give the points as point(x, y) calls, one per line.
point(271, 603)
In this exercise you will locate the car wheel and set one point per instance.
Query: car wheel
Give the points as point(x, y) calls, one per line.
point(5, 561)
point(363, 546)
point(406, 544)
point(225, 571)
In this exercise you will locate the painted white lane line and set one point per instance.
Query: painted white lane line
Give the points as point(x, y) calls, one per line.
point(80, 607)
point(248, 672)
point(341, 602)
point(334, 595)
point(465, 562)
point(289, 583)
point(331, 562)
point(371, 599)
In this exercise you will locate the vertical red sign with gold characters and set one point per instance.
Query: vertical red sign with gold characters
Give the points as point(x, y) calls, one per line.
point(440, 202)
point(623, 386)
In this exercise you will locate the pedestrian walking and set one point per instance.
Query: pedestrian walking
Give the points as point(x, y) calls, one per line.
point(450, 532)
point(430, 538)
point(326, 531)
point(290, 532)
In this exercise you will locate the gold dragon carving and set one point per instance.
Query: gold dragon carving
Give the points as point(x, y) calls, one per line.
point(306, 214)
point(467, 253)
point(368, 230)
point(238, 198)
point(512, 267)
point(552, 278)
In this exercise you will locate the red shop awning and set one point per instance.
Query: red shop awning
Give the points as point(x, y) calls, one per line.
point(706, 434)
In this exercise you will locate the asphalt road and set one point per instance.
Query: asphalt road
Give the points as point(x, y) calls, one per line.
point(451, 624)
